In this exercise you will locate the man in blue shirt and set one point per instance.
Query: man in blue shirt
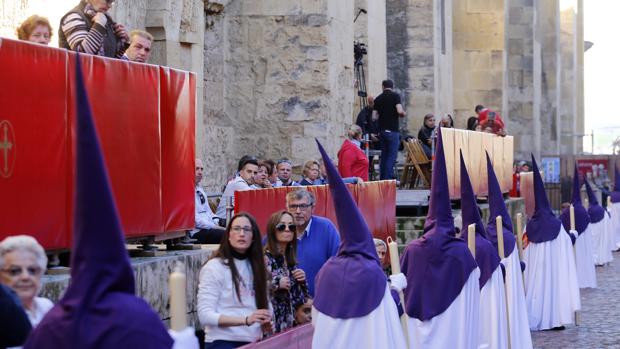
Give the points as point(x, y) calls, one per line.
point(318, 239)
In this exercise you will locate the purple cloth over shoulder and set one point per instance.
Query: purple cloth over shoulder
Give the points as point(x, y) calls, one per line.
point(582, 219)
point(615, 195)
point(487, 256)
point(99, 308)
point(497, 207)
point(544, 225)
point(352, 283)
point(438, 264)
point(596, 211)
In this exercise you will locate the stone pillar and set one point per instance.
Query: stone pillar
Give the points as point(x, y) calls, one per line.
point(519, 91)
point(568, 82)
point(579, 78)
point(411, 61)
point(278, 74)
point(478, 29)
point(443, 59)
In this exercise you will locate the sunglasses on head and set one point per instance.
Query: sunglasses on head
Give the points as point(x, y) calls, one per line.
point(282, 227)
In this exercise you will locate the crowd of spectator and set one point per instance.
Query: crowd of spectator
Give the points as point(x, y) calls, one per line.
point(89, 28)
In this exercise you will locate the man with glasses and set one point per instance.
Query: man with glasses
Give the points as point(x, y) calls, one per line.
point(317, 237)
point(89, 28)
point(284, 168)
point(207, 231)
point(248, 169)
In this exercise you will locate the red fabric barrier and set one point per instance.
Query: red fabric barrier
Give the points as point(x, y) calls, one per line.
point(376, 200)
point(33, 119)
point(145, 120)
point(296, 338)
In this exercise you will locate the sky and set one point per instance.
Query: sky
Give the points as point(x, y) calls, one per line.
point(602, 73)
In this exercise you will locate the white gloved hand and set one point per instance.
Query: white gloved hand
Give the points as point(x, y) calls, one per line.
point(398, 281)
point(574, 233)
point(185, 339)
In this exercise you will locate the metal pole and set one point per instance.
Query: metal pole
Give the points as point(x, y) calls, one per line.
point(229, 209)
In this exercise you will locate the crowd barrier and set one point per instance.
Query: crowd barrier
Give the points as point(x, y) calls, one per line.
point(376, 201)
point(474, 145)
point(145, 118)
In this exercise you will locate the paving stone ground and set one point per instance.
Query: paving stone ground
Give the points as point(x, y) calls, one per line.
point(600, 316)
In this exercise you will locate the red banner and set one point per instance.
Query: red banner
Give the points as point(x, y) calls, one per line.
point(376, 201)
point(145, 120)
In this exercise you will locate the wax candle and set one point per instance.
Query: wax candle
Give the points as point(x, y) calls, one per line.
point(394, 260)
point(572, 217)
point(471, 239)
point(500, 237)
point(178, 303)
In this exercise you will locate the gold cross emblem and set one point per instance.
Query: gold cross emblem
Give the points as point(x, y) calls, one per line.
point(7, 149)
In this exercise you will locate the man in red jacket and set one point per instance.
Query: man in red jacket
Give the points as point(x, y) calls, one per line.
point(490, 121)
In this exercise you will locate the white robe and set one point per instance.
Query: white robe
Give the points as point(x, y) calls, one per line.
point(520, 336)
point(455, 328)
point(493, 327)
point(584, 257)
point(615, 222)
point(601, 241)
point(551, 287)
point(381, 328)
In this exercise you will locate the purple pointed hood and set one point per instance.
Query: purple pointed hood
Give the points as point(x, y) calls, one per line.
point(487, 256)
point(438, 264)
point(596, 211)
point(497, 207)
point(99, 308)
point(615, 195)
point(544, 225)
point(356, 267)
point(582, 219)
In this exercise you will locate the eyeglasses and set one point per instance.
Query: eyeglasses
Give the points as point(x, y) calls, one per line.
point(238, 229)
point(282, 227)
point(294, 207)
point(15, 271)
point(202, 197)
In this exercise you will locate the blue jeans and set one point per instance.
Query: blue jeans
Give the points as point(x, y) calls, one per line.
point(389, 142)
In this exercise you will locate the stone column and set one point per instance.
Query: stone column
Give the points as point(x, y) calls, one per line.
point(278, 74)
point(568, 82)
point(519, 91)
point(478, 29)
point(579, 78)
point(443, 59)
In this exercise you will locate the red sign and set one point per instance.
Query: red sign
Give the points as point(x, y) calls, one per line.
point(592, 166)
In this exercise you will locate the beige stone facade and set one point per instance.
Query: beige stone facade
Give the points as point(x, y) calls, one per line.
point(275, 74)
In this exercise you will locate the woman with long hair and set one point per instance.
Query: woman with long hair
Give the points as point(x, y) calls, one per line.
point(232, 293)
point(288, 283)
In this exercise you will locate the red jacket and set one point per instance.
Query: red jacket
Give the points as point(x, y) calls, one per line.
point(352, 161)
point(483, 120)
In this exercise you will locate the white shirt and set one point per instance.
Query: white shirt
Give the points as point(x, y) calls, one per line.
point(306, 231)
point(204, 215)
point(235, 184)
point(217, 297)
point(40, 307)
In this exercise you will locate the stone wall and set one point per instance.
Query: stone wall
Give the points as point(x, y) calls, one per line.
point(568, 104)
point(478, 37)
point(277, 75)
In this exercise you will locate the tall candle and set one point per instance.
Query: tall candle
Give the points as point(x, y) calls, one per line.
point(394, 260)
point(572, 217)
point(609, 202)
point(520, 235)
point(586, 203)
point(500, 237)
point(471, 239)
point(178, 303)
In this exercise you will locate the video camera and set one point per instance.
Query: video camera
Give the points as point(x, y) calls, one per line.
point(359, 50)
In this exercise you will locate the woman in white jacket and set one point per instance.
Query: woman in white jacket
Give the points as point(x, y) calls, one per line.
point(232, 293)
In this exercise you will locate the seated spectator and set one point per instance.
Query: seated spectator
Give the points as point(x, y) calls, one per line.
point(243, 181)
point(23, 261)
point(88, 28)
point(426, 134)
point(318, 238)
point(232, 292)
point(447, 121)
point(265, 170)
point(367, 124)
point(303, 312)
point(139, 49)
point(35, 29)
point(352, 161)
point(272, 172)
point(472, 123)
point(207, 231)
point(490, 121)
point(311, 173)
point(288, 283)
point(14, 322)
point(285, 172)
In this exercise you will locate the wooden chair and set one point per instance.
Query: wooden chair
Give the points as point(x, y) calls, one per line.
point(417, 168)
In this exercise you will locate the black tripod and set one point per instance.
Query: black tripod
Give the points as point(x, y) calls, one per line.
point(359, 50)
